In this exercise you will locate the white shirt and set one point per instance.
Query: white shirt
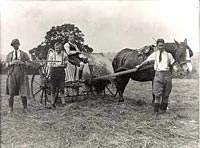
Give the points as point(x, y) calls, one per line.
point(62, 58)
point(67, 48)
point(18, 54)
point(167, 60)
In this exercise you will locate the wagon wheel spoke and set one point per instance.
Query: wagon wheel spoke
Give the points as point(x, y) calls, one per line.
point(39, 85)
point(45, 96)
point(41, 96)
point(36, 92)
point(46, 70)
point(111, 88)
point(36, 87)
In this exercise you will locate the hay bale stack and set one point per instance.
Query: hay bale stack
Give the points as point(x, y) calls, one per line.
point(101, 66)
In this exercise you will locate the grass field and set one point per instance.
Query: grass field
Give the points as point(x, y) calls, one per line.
point(102, 122)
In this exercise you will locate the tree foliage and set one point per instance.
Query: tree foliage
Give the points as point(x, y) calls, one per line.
point(59, 34)
point(39, 52)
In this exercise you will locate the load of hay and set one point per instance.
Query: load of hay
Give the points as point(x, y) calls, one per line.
point(101, 66)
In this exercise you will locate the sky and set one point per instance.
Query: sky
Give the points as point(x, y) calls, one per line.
point(108, 26)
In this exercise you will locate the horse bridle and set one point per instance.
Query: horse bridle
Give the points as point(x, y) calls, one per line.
point(182, 62)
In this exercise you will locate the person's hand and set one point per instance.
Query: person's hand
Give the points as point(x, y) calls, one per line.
point(6, 64)
point(17, 62)
point(78, 52)
point(137, 66)
point(28, 64)
point(14, 62)
point(72, 52)
point(22, 62)
point(175, 68)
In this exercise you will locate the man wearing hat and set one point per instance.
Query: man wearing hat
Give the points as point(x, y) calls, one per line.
point(162, 84)
point(17, 62)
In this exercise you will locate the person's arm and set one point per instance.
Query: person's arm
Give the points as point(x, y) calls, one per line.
point(148, 60)
point(24, 60)
point(7, 61)
point(67, 49)
point(173, 63)
point(65, 59)
point(51, 59)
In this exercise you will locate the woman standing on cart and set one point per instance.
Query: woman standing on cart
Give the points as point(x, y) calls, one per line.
point(57, 73)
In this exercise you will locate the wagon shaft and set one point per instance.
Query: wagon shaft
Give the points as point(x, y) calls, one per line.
point(124, 72)
point(43, 61)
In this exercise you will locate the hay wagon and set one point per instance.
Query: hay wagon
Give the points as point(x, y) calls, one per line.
point(40, 81)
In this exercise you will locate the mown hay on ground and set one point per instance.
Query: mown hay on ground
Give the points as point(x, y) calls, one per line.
point(103, 122)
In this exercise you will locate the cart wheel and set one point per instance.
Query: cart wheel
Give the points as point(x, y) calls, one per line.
point(40, 86)
point(111, 88)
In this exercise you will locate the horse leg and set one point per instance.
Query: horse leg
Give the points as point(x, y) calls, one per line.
point(121, 85)
point(153, 101)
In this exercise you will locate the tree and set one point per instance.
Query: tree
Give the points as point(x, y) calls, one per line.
point(39, 52)
point(60, 34)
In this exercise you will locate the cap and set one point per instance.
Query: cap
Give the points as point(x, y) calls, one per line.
point(15, 41)
point(160, 40)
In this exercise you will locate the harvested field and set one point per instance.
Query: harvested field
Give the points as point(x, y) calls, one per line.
point(103, 122)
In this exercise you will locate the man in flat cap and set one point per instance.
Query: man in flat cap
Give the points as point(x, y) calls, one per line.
point(17, 62)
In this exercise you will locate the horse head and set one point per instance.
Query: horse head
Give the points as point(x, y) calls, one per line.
point(183, 55)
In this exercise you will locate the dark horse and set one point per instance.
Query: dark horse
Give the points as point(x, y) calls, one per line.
point(128, 59)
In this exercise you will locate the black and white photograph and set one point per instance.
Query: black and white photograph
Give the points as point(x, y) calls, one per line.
point(99, 74)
